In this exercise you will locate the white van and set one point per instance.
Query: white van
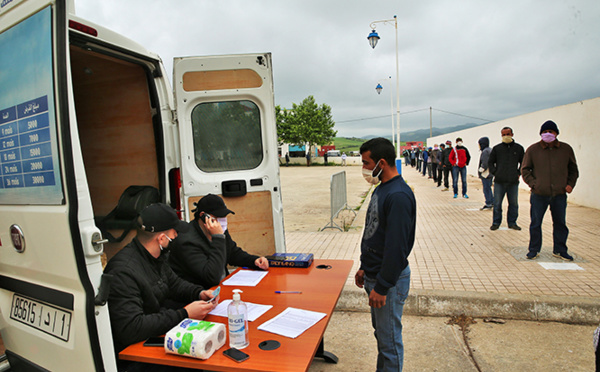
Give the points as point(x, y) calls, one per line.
point(85, 114)
point(333, 153)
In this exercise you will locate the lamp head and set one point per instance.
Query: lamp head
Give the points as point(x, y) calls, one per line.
point(378, 88)
point(373, 39)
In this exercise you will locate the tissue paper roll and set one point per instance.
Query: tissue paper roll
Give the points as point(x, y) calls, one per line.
point(195, 338)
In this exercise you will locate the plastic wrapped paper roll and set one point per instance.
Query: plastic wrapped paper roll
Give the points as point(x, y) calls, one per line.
point(195, 338)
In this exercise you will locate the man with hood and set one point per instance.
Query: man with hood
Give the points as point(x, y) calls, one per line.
point(505, 164)
point(446, 165)
point(484, 173)
point(202, 254)
point(459, 158)
point(550, 170)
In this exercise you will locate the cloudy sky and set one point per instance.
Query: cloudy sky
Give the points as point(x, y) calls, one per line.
point(485, 60)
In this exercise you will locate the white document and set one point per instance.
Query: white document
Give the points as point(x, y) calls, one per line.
point(246, 278)
point(254, 310)
point(292, 322)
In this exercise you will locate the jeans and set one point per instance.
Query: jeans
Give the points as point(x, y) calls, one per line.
point(511, 190)
point(487, 191)
point(387, 322)
point(463, 176)
point(560, 232)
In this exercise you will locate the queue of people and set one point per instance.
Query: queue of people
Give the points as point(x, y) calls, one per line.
point(548, 167)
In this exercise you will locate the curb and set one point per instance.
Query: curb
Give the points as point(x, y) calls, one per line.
point(422, 302)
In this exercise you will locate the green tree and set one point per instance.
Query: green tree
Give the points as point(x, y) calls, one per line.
point(305, 123)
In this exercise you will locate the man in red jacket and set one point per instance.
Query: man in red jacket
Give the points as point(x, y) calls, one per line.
point(459, 158)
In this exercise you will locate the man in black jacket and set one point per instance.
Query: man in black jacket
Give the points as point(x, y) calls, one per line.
point(143, 282)
point(446, 165)
point(505, 164)
point(201, 255)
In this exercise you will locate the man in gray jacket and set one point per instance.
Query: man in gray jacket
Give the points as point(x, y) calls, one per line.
point(484, 173)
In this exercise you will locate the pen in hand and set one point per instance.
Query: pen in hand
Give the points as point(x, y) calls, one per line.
point(284, 292)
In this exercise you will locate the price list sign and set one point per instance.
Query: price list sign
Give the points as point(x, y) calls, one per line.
point(25, 145)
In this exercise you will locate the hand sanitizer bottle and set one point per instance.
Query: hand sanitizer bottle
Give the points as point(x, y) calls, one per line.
point(237, 314)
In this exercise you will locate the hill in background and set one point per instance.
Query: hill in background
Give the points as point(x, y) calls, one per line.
point(346, 144)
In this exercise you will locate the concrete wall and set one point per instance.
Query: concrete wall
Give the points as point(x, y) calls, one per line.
point(578, 124)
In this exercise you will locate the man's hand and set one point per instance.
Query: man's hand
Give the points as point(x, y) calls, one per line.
point(359, 278)
point(376, 300)
point(262, 263)
point(199, 309)
point(569, 189)
point(212, 225)
point(206, 295)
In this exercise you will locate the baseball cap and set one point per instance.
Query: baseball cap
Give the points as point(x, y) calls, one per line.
point(213, 205)
point(161, 217)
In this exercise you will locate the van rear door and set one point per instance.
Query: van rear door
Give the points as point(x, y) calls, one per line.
point(49, 267)
point(228, 136)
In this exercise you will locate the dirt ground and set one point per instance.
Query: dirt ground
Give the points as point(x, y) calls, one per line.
point(306, 196)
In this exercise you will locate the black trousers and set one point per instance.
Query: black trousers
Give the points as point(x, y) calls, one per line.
point(447, 171)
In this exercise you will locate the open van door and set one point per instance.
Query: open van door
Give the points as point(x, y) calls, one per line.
point(50, 266)
point(228, 137)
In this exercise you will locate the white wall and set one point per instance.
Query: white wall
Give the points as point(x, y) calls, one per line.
point(579, 126)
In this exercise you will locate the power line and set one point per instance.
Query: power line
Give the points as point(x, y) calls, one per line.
point(418, 110)
point(466, 116)
point(379, 117)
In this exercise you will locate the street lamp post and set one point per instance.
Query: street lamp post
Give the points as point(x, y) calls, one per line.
point(379, 88)
point(373, 39)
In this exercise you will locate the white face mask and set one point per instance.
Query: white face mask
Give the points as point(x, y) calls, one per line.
point(223, 222)
point(459, 143)
point(167, 248)
point(369, 177)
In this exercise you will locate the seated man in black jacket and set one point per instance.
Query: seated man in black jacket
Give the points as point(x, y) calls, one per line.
point(143, 282)
point(201, 255)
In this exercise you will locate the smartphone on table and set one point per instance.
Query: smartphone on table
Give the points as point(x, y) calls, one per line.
point(235, 354)
point(155, 341)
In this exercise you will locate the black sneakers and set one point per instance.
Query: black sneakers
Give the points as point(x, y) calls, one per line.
point(514, 227)
point(532, 255)
point(487, 207)
point(494, 227)
point(565, 256)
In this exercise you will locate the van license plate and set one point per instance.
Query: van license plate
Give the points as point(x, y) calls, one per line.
point(41, 316)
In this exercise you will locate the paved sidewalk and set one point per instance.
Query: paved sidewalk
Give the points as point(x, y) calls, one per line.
point(459, 264)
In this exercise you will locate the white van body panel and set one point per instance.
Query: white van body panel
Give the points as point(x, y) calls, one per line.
point(61, 267)
point(210, 89)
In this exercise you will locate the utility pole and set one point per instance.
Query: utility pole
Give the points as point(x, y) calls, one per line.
point(430, 123)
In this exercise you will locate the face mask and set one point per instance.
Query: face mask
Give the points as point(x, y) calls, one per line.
point(166, 249)
point(223, 222)
point(548, 137)
point(507, 139)
point(459, 143)
point(369, 177)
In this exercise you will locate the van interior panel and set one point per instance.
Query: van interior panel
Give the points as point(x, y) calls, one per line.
point(224, 79)
point(252, 224)
point(114, 119)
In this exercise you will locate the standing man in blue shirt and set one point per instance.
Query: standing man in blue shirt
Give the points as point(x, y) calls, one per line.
point(387, 241)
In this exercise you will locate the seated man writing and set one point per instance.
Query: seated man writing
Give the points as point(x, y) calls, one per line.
point(143, 282)
point(201, 255)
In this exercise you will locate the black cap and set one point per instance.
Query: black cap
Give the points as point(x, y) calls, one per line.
point(161, 217)
point(213, 205)
point(549, 125)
